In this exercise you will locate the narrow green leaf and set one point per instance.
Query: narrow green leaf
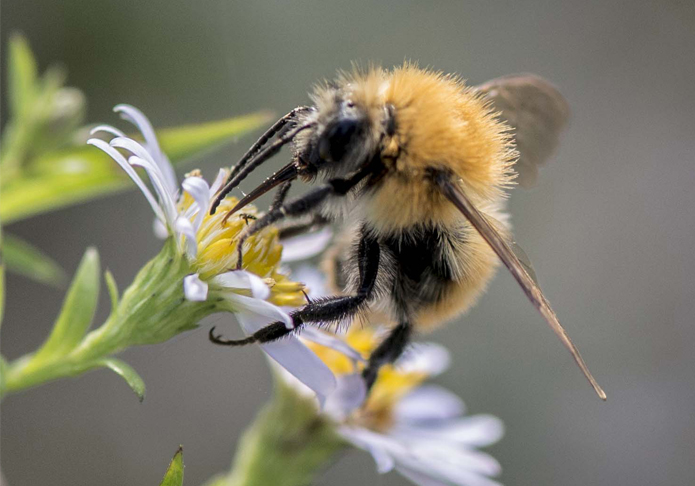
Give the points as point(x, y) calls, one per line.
point(78, 310)
point(82, 173)
point(125, 371)
point(181, 143)
point(2, 282)
point(22, 75)
point(174, 475)
point(25, 259)
point(113, 290)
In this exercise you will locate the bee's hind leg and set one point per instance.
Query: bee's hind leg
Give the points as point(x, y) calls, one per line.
point(387, 352)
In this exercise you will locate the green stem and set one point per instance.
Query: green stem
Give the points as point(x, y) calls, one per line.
point(287, 444)
point(152, 310)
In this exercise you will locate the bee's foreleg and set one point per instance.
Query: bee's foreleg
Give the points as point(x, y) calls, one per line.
point(298, 207)
point(387, 352)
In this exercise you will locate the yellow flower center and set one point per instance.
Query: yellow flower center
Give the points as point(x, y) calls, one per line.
point(217, 249)
point(391, 385)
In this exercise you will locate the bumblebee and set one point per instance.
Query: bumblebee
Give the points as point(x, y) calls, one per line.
point(416, 165)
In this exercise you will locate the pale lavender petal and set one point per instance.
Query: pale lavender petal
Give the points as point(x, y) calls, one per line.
point(305, 246)
point(108, 129)
point(301, 362)
point(254, 314)
point(463, 467)
point(195, 289)
point(137, 118)
point(429, 358)
point(475, 431)
point(199, 190)
point(241, 279)
point(118, 157)
point(378, 445)
point(331, 341)
point(348, 395)
point(314, 279)
point(428, 403)
point(419, 478)
point(184, 227)
point(423, 479)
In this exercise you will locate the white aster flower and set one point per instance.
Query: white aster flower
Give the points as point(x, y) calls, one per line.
point(253, 294)
point(417, 429)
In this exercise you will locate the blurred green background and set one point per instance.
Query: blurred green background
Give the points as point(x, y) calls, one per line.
point(609, 227)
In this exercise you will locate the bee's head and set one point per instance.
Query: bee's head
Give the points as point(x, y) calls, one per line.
point(351, 120)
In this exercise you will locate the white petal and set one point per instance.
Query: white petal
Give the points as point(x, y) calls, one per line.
point(305, 246)
point(137, 118)
point(219, 180)
point(476, 431)
point(118, 157)
point(184, 227)
point(301, 362)
point(314, 279)
point(349, 394)
point(419, 478)
point(428, 403)
point(463, 467)
point(429, 358)
point(195, 289)
point(200, 191)
point(378, 445)
point(241, 279)
point(165, 197)
point(108, 129)
point(254, 314)
point(423, 479)
point(160, 230)
point(331, 341)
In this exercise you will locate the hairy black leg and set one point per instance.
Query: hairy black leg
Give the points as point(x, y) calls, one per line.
point(315, 222)
point(331, 309)
point(300, 206)
point(281, 195)
point(387, 352)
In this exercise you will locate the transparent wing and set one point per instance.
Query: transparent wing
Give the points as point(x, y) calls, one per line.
point(522, 272)
point(536, 111)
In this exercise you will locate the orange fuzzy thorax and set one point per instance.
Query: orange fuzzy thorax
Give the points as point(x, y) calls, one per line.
point(440, 124)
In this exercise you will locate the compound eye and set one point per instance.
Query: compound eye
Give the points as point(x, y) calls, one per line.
point(335, 141)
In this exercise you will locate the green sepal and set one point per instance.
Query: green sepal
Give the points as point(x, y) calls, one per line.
point(22, 76)
point(174, 474)
point(127, 372)
point(113, 290)
point(78, 310)
point(25, 259)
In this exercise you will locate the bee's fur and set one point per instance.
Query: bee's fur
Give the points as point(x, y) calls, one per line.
point(392, 150)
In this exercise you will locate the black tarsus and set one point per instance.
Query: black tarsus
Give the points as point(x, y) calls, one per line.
point(281, 195)
point(327, 310)
point(316, 222)
point(255, 148)
point(387, 352)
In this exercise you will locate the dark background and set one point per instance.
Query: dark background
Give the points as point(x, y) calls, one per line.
point(609, 227)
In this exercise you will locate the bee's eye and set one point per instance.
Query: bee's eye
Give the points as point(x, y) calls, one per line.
point(335, 139)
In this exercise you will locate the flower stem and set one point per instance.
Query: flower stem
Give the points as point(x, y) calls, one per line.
point(287, 444)
point(152, 310)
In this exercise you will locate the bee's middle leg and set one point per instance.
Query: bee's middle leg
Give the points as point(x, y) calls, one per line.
point(327, 310)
